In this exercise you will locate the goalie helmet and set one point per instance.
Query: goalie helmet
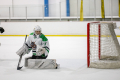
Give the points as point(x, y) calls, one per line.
point(37, 28)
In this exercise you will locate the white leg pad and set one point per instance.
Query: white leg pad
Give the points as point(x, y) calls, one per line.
point(40, 63)
point(26, 61)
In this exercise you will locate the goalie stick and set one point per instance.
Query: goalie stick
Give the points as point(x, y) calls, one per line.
point(18, 67)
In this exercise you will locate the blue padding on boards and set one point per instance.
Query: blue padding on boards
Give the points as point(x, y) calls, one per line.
point(46, 8)
point(67, 7)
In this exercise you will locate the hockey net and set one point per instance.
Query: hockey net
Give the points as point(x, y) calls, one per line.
point(103, 50)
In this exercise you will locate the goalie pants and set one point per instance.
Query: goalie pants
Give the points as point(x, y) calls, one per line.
point(38, 57)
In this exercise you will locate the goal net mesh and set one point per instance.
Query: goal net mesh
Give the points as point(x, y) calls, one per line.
point(103, 46)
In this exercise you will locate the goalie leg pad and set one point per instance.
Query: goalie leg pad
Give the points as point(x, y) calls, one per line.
point(42, 63)
point(26, 61)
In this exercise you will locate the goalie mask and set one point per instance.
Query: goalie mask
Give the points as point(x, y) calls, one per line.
point(37, 28)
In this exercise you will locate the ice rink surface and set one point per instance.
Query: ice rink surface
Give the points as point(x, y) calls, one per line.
point(70, 53)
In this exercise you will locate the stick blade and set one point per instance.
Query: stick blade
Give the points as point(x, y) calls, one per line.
point(18, 68)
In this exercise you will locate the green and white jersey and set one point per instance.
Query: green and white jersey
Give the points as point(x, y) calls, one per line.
point(38, 40)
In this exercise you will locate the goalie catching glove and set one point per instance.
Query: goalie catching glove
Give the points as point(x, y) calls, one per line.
point(40, 50)
point(23, 50)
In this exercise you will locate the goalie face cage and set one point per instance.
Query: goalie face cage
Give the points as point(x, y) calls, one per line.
point(102, 46)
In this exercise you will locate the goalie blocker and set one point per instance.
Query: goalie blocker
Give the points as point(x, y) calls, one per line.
point(23, 50)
